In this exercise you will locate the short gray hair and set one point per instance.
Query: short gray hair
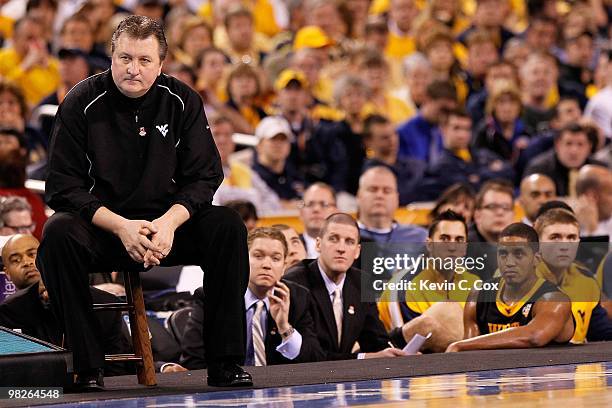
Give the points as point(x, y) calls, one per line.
point(346, 82)
point(413, 61)
point(12, 203)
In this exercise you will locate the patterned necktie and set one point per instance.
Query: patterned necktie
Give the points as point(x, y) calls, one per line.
point(259, 346)
point(338, 312)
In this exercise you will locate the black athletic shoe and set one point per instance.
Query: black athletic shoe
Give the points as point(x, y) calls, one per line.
point(89, 381)
point(228, 375)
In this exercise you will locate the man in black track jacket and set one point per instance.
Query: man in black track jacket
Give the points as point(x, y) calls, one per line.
point(132, 172)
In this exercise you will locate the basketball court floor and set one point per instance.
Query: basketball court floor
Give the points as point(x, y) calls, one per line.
point(559, 386)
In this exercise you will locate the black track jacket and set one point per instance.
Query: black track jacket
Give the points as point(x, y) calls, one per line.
point(135, 156)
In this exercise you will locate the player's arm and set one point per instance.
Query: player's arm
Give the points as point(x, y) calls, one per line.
point(550, 315)
point(470, 324)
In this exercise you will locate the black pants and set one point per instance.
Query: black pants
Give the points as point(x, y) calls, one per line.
point(214, 239)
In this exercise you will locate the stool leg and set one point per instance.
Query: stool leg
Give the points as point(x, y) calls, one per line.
point(139, 328)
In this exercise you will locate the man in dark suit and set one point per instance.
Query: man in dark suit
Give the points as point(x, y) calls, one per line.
point(342, 318)
point(285, 330)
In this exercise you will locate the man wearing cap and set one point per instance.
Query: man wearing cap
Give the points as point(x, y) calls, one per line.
point(318, 156)
point(274, 138)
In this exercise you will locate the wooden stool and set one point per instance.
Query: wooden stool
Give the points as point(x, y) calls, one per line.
point(139, 329)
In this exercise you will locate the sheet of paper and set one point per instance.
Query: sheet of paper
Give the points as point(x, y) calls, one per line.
point(415, 343)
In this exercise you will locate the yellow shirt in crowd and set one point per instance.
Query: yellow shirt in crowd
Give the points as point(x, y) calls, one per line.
point(36, 83)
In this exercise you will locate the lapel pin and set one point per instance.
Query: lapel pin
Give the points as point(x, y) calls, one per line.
point(142, 132)
point(351, 310)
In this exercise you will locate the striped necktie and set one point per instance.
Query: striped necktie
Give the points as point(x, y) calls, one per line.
point(258, 336)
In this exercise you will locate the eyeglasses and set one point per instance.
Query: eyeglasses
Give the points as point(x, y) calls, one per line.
point(313, 204)
point(22, 228)
point(495, 207)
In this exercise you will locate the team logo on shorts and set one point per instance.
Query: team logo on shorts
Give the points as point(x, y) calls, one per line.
point(163, 129)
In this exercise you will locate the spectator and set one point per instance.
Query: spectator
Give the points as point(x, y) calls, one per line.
point(594, 208)
point(270, 163)
point(247, 212)
point(460, 163)
point(210, 67)
point(377, 200)
point(350, 95)
point(77, 33)
point(241, 46)
point(490, 16)
point(239, 182)
point(575, 73)
point(482, 54)
point(572, 150)
point(375, 72)
point(420, 136)
point(494, 212)
point(501, 71)
point(15, 216)
point(196, 36)
point(14, 114)
point(311, 56)
point(541, 34)
point(28, 62)
point(382, 143)
point(296, 252)
point(538, 80)
point(13, 175)
point(244, 93)
point(319, 156)
point(503, 131)
point(319, 202)
point(459, 198)
point(536, 189)
point(401, 16)
point(417, 76)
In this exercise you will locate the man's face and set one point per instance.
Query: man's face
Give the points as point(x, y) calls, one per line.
point(568, 111)
point(19, 261)
point(292, 99)
point(296, 249)
point(542, 35)
point(573, 149)
point(318, 204)
point(266, 262)
point(73, 70)
point(17, 222)
point(417, 81)
point(580, 51)
point(438, 106)
point(240, 32)
point(274, 149)
point(448, 240)
point(402, 13)
point(307, 62)
point(383, 140)
point(538, 77)
point(77, 34)
point(457, 132)
point(375, 77)
point(491, 13)
point(28, 35)
point(480, 57)
point(339, 247)
point(352, 100)
point(559, 244)
point(516, 260)
point(135, 65)
point(377, 195)
point(212, 66)
point(535, 191)
point(222, 134)
point(495, 214)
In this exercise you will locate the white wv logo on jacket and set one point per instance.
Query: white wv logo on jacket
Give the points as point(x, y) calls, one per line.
point(163, 129)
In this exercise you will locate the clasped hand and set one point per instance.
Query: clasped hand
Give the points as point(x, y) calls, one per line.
point(147, 242)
